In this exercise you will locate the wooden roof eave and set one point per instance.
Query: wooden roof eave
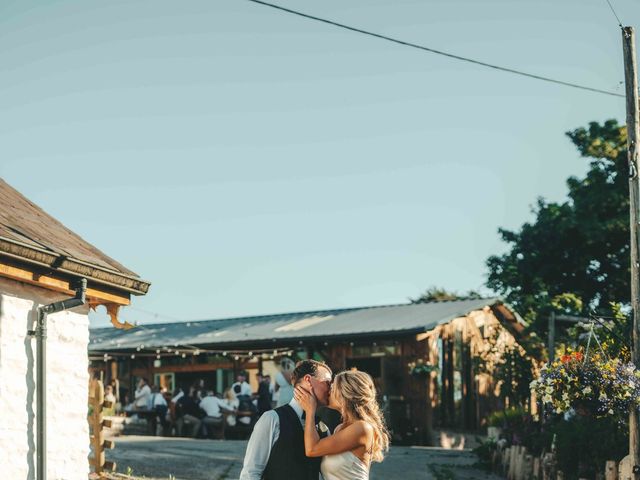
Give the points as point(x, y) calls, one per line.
point(57, 263)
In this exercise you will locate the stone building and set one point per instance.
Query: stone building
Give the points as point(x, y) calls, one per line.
point(43, 262)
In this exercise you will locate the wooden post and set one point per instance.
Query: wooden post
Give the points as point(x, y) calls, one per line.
point(633, 134)
point(528, 466)
point(610, 471)
point(536, 468)
point(96, 423)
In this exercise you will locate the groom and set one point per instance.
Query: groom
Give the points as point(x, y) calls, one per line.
point(276, 447)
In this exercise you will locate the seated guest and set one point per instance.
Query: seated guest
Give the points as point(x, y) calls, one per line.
point(159, 405)
point(109, 397)
point(232, 403)
point(245, 406)
point(188, 413)
point(142, 395)
point(213, 407)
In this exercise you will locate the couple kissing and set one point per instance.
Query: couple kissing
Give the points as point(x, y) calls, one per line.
point(289, 443)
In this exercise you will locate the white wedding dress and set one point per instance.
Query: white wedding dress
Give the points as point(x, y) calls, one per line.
point(343, 466)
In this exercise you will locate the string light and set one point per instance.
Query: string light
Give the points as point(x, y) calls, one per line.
point(251, 356)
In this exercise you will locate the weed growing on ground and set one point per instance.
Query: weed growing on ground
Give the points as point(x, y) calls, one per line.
point(442, 472)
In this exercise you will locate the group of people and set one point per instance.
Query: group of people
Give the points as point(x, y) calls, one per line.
point(292, 442)
point(197, 411)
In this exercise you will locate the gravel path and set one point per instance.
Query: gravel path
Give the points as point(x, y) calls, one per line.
point(157, 458)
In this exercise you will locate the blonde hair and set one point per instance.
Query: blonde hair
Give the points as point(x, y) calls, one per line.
point(229, 395)
point(358, 402)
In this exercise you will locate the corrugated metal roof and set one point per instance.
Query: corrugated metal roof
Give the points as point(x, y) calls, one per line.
point(349, 322)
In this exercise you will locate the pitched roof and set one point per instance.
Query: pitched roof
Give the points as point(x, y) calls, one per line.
point(349, 322)
point(30, 234)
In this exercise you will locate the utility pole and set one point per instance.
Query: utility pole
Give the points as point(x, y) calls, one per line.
point(631, 84)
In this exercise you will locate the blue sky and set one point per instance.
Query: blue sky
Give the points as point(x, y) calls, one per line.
point(247, 161)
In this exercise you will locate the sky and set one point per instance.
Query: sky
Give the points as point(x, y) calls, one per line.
point(247, 161)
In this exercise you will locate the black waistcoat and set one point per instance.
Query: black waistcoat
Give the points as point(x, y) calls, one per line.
point(287, 460)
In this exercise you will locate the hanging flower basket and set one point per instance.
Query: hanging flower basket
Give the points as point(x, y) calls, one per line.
point(596, 386)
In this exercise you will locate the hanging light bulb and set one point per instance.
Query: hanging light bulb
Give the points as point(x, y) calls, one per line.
point(184, 355)
point(133, 356)
point(224, 354)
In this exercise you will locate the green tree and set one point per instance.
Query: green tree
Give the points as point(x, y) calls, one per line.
point(438, 294)
point(575, 254)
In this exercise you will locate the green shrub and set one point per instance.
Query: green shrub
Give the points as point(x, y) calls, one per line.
point(584, 444)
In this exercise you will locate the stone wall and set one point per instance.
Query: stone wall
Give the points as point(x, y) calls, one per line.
point(67, 383)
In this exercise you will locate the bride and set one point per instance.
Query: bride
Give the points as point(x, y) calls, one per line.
point(359, 440)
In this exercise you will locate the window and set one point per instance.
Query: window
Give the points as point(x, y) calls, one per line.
point(165, 380)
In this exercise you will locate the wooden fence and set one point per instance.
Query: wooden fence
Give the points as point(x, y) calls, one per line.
point(515, 463)
point(96, 424)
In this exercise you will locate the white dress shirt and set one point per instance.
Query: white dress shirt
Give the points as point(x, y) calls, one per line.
point(142, 397)
point(245, 388)
point(157, 399)
point(211, 405)
point(264, 436)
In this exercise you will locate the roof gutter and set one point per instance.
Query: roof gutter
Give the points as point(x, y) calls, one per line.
point(70, 266)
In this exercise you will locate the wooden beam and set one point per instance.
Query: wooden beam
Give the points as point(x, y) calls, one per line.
point(203, 367)
point(422, 336)
point(95, 296)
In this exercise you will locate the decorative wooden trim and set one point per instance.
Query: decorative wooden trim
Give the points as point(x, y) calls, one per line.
point(77, 268)
point(94, 296)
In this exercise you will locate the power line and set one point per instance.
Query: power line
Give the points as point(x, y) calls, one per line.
point(439, 52)
point(614, 13)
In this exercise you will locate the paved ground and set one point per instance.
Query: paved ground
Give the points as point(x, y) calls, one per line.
point(156, 458)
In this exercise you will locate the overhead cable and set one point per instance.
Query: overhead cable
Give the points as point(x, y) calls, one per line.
point(439, 52)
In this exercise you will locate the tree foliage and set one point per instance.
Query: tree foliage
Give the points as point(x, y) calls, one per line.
point(574, 256)
point(438, 294)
